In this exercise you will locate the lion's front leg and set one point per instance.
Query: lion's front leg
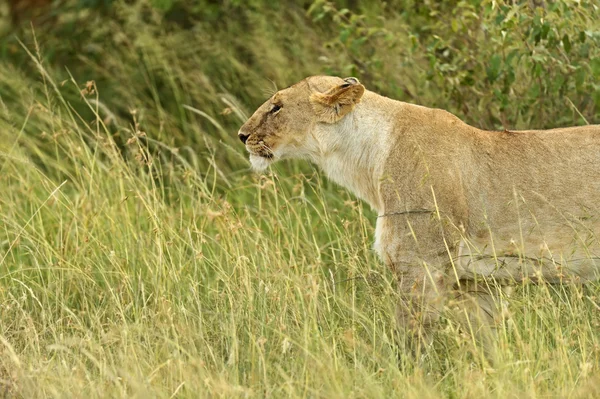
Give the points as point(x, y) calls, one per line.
point(479, 307)
point(423, 289)
point(417, 253)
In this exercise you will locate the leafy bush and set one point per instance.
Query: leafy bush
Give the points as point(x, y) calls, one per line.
point(495, 64)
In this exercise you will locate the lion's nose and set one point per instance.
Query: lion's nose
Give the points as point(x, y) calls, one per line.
point(243, 137)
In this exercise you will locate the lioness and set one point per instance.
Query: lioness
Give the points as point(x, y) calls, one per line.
point(458, 207)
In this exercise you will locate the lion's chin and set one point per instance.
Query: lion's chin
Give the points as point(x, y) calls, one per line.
point(259, 164)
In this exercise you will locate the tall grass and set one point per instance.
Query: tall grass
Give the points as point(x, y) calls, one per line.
point(134, 266)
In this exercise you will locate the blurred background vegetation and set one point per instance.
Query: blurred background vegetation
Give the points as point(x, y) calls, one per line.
point(495, 64)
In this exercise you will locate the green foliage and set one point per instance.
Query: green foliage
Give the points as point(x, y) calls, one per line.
point(139, 256)
point(495, 64)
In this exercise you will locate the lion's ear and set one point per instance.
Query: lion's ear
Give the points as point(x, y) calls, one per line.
point(335, 103)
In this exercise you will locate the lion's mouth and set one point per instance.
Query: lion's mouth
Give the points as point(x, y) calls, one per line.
point(262, 154)
point(261, 151)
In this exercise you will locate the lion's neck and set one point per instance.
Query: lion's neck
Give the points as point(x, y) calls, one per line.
point(353, 152)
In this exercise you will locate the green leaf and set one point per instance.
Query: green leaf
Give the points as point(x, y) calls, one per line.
point(595, 66)
point(164, 5)
point(344, 34)
point(544, 31)
point(494, 68)
point(508, 80)
point(566, 43)
point(580, 76)
point(541, 58)
point(454, 25)
point(511, 55)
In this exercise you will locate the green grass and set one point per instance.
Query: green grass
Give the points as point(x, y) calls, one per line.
point(136, 275)
point(140, 257)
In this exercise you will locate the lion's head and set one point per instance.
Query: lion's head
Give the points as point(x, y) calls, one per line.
point(282, 127)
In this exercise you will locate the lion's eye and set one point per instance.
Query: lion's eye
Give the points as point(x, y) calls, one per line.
point(275, 108)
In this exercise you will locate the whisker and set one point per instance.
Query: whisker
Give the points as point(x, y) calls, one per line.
point(266, 148)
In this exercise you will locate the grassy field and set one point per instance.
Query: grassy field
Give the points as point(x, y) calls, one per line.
point(140, 257)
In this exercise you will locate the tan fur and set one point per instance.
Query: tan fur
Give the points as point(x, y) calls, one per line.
point(456, 203)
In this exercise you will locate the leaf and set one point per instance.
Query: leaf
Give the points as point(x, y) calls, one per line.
point(539, 58)
point(595, 66)
point(319, 17)
point(580, 76)
point(344, 34)
point(566, 43)
point(164, 5)
point(494, 68)
point(454, 25)
point(357, 43)
point(511, 55)
point(544, 31)
point(509, 80)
